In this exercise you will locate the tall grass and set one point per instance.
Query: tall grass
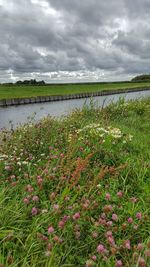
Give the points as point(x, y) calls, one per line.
point(75, 191)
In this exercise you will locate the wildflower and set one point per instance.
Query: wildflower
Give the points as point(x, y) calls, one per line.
point(94, 234)
point(42, 237)
point(109, 234)
point(65, 218)
point(35, 198)
point(107, 196)
point(111, 241)
point(100, 249)
point(140, 247)
point(61, 224)
point(57, 239)
point(34, 211)
point(86, 204)
point(119, 193)
point(67, 198)
point(26, 200)
point(56, 207)
point(76, 216)
point(133, 199)
point(118, 263)
point(107, 208)
point(29, 188)
point(127, 244)
point(102, 221)
point(130, 137)
point(103, 215)
point(114, 217)
point(141, 262)
point(93, 257)
point(44, 211)
point(8, 168)
point(14, 183)
point(109, 223)
point(12, 177)
point(130, 220)
point(139, 215)
point(50, 229)
point(39, 181)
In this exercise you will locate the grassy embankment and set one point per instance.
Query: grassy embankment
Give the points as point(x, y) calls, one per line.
point(75, 192)
point(13, 91)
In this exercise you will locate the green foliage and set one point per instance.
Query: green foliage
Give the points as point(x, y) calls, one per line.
point(142, 78)
point(70, 185)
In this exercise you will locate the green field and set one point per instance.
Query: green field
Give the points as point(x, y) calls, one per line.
point(76, 191)
point(14, 91)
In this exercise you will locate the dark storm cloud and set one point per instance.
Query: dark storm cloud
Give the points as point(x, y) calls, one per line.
point(74, 40)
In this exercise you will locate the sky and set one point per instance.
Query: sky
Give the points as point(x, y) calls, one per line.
point(74, 40)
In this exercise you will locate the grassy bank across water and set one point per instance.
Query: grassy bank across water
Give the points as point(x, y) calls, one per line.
point(75, 191)
point(15, 91)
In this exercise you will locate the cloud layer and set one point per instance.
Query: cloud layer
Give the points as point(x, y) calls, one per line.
point(63, 40)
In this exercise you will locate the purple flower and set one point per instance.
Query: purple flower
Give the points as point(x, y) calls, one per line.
point(26, 200)
point(50, 229)
point(118, 263)
point(140, 247)
point(114, 217)
point(76, 216)
point(34, 211)
point(93, 257)
point(100, 249)
point(107, 196)
point(130, 220)
point(119, 193)
point(139, 215)
point(141, 262)
point(35, 198)
point(127, 244)
point(61, 224)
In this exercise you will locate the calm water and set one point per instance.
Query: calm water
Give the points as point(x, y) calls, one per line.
point(15, 115)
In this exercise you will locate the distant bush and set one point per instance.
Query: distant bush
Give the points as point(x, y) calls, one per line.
point(30, 82)
point(142, 78)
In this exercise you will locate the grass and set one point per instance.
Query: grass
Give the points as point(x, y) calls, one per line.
point(75, 191)
point(13, 91)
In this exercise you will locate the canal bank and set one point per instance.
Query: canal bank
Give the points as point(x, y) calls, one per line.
point(42, 99)
point(15, 115)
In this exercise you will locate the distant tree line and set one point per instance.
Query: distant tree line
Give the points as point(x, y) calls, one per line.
point(30, 82)
point(141, 78)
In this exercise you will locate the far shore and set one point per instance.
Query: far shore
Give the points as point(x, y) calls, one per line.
point(42, 99)
point(31, 91)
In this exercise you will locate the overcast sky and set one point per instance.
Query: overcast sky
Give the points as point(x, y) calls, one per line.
point(74, 40)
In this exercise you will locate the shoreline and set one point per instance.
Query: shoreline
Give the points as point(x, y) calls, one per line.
point(52, 98)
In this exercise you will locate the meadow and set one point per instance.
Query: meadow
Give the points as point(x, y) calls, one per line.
point(76, 191)
point(16, 91)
